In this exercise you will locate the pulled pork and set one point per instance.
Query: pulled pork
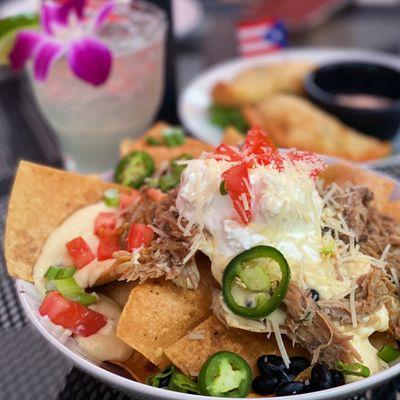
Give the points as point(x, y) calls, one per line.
point(311, 328)
point(374, 232)
point(165, 255)
point(373, 290)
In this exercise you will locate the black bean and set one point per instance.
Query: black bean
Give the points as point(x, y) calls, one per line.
point(298, 364)
point(287, 389)
point(270, 359)
point(321, 377)
point(337, 378)
point(164, 382)
point(277, 372)
point(308, 388)
point(314, 294)
point(265, 384)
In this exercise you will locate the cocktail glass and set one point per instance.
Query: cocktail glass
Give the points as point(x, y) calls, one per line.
point(91, 121)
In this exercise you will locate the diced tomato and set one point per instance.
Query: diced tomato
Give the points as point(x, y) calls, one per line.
point(80, 252)
point(274, 159)
point(125, 200)
point(71, 315)
point(257, 142)
point(310, 158)
point(106, 220)
point(229, 153)
point(237, 184)
point(139, 235)
point(108, 244)
point(155, 195)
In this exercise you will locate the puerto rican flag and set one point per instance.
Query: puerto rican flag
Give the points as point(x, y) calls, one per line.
point(261, 37)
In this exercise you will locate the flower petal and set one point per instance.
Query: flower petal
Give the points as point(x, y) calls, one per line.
point(25, 45)
point(71, 5)
point(54, 13)
point(48, 15)
point(47, 53)
point(90, 60)
point(102, 14)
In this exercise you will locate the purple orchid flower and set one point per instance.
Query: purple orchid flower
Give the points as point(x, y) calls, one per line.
point(65, 32)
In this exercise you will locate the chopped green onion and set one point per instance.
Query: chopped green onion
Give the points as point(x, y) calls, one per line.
point(173, 137)
point(155, 379)
point(111, 198)
point(222, 189)
point(355, 369)
point(388, 353)
point(151, 141)
point(182, 383)
point(152, 182)
point(59, 272)
point(67, 287)
point(85, 299)
point(168, 182)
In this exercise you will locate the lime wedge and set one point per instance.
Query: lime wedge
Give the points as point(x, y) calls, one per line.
point(9, 27)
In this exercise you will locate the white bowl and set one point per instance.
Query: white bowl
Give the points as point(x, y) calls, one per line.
point(30, 301)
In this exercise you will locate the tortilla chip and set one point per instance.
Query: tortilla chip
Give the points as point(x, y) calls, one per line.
point(189, 354)
point(158, 314)
point(138, 366)
point(293, 121)
point(232, 137)
point(380, 339)
point(392, 209)
point(162, 154)
point(118, 291)
point(40, 200)
point(344, 173)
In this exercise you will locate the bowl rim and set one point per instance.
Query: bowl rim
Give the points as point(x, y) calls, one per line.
point(313, 90)
point(128, 385)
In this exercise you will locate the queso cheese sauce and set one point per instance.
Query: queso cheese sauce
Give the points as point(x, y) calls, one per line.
point(103, 345)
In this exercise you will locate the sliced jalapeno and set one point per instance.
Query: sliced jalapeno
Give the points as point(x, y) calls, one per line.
point(225, 374)
point(134, 168)
point(172, 179)
point(176, 168)
point(255, 282)
point(168, 182)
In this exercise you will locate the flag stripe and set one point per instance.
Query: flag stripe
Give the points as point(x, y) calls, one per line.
point(254, 31)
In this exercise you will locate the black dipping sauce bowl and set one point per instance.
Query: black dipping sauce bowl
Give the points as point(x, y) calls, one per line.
point(330, 84)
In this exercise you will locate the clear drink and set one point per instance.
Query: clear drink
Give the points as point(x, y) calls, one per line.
point(91, 121)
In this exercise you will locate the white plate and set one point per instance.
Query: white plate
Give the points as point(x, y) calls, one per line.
point(195, 99)
point(30, 301)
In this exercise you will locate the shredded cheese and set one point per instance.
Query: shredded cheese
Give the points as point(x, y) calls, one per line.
point(353, 306)
point(279, 342)
point(395, 278)
point(385, 252)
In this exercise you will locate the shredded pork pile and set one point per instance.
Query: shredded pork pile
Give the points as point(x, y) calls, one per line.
point(167, 252)
point(310, 323)
point(309, 326)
